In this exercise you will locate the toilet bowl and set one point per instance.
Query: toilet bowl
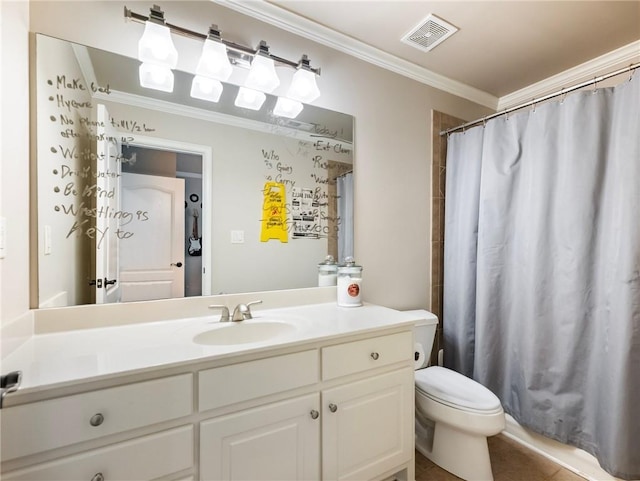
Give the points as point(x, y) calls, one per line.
point(454, 414)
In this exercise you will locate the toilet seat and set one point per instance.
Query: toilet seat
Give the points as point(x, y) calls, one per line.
point(455, 390)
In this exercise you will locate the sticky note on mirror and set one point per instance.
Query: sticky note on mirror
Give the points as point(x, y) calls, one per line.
point(274, 215)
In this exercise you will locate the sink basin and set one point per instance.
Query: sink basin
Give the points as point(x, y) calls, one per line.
point(243, 332)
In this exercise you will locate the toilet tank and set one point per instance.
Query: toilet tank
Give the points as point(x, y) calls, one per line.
point(424, 333)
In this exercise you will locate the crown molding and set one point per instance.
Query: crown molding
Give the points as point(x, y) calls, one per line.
point(598, 66)
point(285, 20)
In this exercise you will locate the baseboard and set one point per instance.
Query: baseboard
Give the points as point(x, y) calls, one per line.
point(571, 458)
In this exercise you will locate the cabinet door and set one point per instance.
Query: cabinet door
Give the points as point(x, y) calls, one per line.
point(368, 426)
point(278, 441)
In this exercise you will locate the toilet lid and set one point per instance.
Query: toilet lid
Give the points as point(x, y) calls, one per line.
point(454, 389)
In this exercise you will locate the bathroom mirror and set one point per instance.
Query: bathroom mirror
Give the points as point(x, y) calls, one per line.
point(143, 194)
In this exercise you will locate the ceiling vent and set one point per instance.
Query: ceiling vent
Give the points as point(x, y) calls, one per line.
point(429, 33)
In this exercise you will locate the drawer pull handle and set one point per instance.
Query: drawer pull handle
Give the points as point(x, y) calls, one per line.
point(375, 356)
point(96, 420)
point(314, 414)
point(97, 477)
point(333, 408)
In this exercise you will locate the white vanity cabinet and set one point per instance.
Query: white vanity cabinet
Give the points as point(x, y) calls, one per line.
point(31, 431)
point(338, 407)
point(350, 415)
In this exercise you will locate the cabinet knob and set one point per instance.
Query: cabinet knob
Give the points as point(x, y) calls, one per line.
point(375, 356)
point(314, 414)
point(97, 477)
point(333, 408)
point(96, 420)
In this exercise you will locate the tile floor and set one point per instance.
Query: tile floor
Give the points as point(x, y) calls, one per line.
point(510, 461)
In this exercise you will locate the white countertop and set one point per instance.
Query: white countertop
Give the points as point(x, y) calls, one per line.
point(66, 358)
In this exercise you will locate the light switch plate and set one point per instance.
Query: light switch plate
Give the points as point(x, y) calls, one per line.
point(47, 240)
point(237, 237)
point(3, 237)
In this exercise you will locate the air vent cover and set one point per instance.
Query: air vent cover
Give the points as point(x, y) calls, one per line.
point(429, 33)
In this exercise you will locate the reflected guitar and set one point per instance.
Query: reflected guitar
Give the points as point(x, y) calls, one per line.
point(195, 241)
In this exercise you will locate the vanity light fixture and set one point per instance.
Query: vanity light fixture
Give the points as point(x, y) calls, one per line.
point(262, 75)
point(213, 66)
point(157, 53)
point(303, 86)
point(219, 57)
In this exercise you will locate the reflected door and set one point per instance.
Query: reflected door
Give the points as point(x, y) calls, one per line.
point(152, 254)
point(107, 194)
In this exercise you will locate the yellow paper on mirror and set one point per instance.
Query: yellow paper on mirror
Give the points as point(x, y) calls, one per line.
point(274, 216)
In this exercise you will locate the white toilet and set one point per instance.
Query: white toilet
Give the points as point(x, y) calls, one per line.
point(454, 414)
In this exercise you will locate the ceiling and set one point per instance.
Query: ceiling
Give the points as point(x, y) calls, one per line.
point(501, 47)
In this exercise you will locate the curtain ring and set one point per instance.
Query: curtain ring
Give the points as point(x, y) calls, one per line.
point(631, 72)
point(484, 122)
point(563, 95)
point(534, 106)
point(595, 85)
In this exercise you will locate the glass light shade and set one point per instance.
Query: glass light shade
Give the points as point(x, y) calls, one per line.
point(287, 108)
point(262, 75)
point(303, 86)
point(250, 99)
point(156, 77)
point(205, 88)
point(156, 47)
point(214, 62)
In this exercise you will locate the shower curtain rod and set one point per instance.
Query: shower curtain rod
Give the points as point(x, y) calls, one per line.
point(542, 99)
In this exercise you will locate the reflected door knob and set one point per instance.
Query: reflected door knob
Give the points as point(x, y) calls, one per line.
point(177, 264)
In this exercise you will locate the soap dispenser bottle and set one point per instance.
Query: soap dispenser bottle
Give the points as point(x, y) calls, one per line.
point(349, 284)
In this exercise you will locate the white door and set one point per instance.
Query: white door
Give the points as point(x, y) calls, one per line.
point(367, 426)
point(107, 194)
point(276, 442)
point(152, 248)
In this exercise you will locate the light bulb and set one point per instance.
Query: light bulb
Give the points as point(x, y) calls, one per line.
point(287, 108)
point(303, 86)
point(249, 98)
point(214, 62)
point(262, 75)
point(156, 77)
point(206, 89)
point(156, 47)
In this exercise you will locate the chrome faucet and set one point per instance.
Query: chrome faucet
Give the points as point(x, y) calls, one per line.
point(243, 311)
point(224, 315)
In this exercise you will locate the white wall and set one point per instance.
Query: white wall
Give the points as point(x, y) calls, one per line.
point(392, 134)
point(14, 160)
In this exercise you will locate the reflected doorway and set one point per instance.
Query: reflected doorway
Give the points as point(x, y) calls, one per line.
point(185, 167)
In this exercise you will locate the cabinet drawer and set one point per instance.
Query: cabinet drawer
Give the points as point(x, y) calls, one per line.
point(227, 385)
point(358, 356)
point(144, 458)
point(44, 425)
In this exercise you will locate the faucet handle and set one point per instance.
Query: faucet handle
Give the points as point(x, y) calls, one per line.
point(243, 311)
point(224, 316)
point(248, 312)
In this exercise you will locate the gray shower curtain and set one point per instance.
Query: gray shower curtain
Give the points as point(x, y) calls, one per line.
point(542, 268)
